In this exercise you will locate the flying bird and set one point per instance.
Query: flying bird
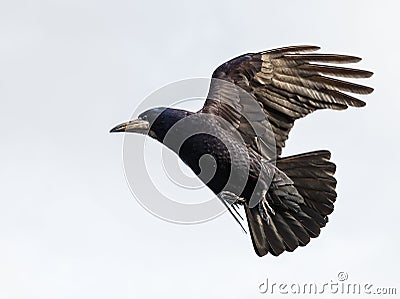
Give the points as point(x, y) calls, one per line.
point(253, 102)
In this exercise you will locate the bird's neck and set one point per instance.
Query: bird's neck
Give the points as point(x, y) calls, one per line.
point(169, 126)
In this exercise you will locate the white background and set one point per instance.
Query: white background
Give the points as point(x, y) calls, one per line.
point(71, 70)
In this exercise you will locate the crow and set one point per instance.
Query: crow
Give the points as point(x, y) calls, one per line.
point(252, 104)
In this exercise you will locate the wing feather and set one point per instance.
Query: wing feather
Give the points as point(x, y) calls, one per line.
point(285, 84)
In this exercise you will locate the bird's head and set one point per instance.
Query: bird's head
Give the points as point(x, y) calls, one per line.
point(154, 122)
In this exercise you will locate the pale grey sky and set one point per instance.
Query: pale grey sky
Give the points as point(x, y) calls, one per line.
point(70, 70)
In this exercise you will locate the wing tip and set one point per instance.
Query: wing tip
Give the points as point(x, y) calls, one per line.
point(355, 58)
point(360, 104)
point(369, 89)
point(368, 74)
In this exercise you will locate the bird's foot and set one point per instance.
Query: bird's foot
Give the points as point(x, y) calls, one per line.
point(231, 198)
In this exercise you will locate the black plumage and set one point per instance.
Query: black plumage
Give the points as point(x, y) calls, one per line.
point(251, 107)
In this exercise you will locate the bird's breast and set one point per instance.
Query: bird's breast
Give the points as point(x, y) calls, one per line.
point(221, 163)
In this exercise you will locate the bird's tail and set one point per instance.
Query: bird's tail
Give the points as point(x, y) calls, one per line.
point(296, 209)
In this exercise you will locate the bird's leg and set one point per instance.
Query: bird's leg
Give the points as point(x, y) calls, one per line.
point(230, 199)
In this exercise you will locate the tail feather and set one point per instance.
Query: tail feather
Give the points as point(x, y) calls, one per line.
point(298, 229)
point(290, 239)
point(256, 227)
point(275, 240)
point(312, 174)
point(318, 218)
point(308, 223)
point(301, 196)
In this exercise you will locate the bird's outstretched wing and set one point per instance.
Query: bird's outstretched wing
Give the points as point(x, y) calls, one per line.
point(288, 83)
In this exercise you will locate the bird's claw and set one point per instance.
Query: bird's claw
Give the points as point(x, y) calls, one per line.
point(231, 198)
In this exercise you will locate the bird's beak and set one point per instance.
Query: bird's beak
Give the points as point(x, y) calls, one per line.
point(133, 126)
